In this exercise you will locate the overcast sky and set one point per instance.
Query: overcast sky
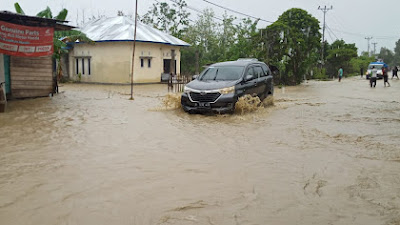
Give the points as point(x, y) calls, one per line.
point(350, 20)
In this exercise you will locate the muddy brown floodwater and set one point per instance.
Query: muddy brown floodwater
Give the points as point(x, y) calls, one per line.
point(323, 153)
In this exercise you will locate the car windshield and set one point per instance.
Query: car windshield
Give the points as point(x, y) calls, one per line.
point(222, 73)
point(377, 66)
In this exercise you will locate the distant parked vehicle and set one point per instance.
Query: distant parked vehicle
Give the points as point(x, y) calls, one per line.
point(378, 66)
point(219, 86)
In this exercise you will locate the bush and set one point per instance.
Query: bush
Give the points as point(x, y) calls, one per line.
point(320, 74)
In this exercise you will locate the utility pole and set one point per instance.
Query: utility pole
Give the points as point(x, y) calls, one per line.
point(375, 43)
point(368, 39)
point(324, 10)
point(133, 52)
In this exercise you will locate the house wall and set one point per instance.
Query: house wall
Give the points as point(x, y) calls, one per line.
point(31, 76)
point(110, 62)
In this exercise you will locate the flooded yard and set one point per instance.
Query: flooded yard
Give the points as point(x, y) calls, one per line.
point(323, 153)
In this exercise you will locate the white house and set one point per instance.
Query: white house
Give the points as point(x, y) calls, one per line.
point(109, 59)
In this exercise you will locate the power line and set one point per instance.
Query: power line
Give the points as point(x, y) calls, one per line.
point(196, 10)
point(330, 35)
point(243, 14)
point(363, 35)
point(329, 29)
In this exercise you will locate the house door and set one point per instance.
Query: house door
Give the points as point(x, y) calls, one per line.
point(167, 66)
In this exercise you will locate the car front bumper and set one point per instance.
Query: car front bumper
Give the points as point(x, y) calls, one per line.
point(224, 104)
point(377, 77)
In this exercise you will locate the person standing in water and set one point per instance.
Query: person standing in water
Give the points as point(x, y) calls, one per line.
point(385, 76)
point(372, 79)
point(394, 72)
point(340, 73)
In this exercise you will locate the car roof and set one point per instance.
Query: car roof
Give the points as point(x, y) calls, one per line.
point(237, 63)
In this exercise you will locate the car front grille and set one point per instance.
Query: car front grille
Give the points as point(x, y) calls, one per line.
point(204, 97)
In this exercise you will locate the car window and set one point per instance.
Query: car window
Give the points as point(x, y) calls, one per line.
point(251, 72)
point(222, 73)
point(259, 71)
point(267, 71)
point(377, 66)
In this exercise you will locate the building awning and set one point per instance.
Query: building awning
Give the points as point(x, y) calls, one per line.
point(34, 21)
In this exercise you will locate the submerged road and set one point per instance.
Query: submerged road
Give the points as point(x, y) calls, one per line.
point(325, 153)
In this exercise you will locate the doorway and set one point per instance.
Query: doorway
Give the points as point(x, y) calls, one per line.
point(167, 66)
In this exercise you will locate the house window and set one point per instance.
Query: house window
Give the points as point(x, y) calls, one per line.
point(88, 66)
point(85, 63)
point(149, 63)
point(77, 65)
point(141, 63)
point(83, 66)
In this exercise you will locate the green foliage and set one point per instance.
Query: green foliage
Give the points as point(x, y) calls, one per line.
point(18, 8)
point(319, 74)
point(387, 56)
point(168, 18)
point(339, 55)
point(293, 41)
point(62, 15)
point(61, 37)
point(361, 62)
point(79, 75)
point(45, 13)
point(396, 57)
point(211, 41)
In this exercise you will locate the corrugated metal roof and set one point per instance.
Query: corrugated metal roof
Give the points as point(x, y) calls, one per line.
point(121, 28)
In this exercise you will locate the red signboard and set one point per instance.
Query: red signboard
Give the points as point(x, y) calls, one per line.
point(21, 40)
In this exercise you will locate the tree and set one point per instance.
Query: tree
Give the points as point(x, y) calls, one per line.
point(340, 55)
point(293, 43)
point(171, 19)
point(246, 44)
point(396, 57)
point(361, 62)
point(387, 56)
point(203, 37)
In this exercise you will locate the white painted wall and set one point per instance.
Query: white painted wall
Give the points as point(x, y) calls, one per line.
point(111, 62)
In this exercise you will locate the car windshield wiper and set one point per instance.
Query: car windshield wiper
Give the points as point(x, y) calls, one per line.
point(216, 74)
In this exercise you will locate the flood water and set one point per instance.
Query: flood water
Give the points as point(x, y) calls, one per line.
point(323, 153)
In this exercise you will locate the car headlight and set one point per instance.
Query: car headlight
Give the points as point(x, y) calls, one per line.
point(187, 90)
point(227, 90)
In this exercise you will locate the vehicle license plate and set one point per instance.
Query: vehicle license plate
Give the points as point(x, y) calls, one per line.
point(204, 104)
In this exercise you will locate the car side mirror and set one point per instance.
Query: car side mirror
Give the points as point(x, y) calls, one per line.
point(248, 77)
point(194, 77)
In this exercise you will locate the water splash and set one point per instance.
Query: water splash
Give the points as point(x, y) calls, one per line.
point(248, 103)
point(172, 101)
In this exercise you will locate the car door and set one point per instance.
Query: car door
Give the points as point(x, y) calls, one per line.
point(261, 81)
point(250, 83)
point(269, 87)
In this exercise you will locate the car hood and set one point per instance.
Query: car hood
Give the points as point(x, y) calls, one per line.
point(210, 84)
